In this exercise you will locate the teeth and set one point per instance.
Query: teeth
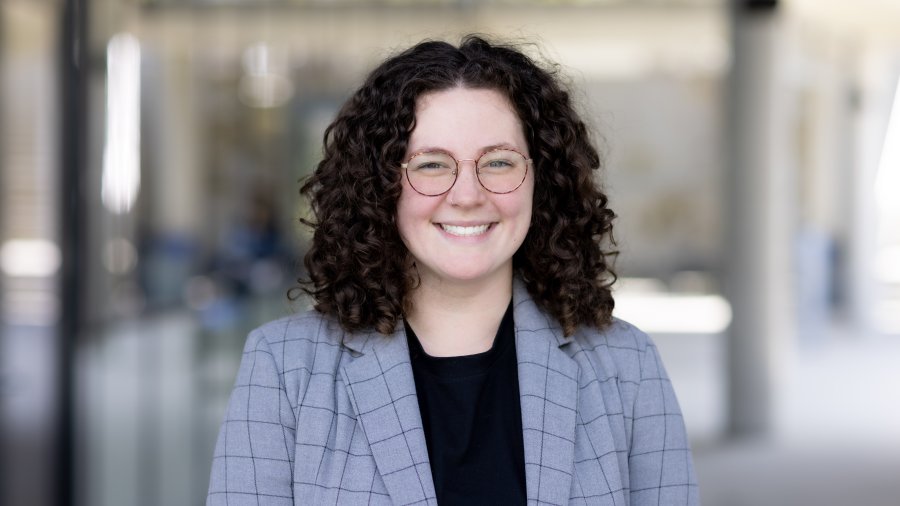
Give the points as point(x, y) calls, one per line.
point(465, 231)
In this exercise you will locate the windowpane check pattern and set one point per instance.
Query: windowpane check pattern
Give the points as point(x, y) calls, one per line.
point(319, 416)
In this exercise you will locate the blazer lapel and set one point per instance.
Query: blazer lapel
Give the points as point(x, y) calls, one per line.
point(548, 393)
point(383, 392)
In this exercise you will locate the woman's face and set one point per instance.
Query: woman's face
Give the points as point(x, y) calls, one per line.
point(467, 235)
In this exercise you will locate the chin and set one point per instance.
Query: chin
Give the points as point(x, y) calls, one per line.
point(470, 275)
point(463, 277)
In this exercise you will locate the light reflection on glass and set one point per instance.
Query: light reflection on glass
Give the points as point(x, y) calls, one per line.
point(121, 157)
point(646, 304)
point(29, 258)
point(265, 83)
point(120, 256)
point(887, 180)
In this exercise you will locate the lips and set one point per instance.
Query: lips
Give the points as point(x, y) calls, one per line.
point(465, 231)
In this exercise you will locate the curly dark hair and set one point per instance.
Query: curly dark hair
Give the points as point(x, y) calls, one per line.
point(358, 267)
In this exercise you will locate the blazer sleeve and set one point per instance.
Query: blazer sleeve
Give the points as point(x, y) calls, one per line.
point(660, 464)
point(254, 454)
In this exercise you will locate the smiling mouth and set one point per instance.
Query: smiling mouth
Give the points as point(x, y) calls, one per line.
point(465, 231)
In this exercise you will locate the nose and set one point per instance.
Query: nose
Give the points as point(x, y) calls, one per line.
point(467, 190)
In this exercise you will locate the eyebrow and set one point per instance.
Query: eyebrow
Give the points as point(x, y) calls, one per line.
point(501, 145)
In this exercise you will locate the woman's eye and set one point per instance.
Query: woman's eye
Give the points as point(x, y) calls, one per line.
point(431, 166)
point(497, 164)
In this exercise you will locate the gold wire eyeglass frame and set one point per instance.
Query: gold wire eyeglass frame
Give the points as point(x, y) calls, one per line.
point(405, 167)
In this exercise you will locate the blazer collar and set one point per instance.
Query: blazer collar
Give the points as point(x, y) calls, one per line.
point(548, 394)
point(382, 390)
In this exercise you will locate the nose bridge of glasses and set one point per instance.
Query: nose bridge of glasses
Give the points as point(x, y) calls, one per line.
point(459, 162)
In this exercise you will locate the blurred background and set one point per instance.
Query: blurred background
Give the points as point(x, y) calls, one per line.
point(150, 153)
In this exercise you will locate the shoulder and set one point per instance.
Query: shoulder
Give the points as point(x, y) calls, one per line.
point(618, 334)
point(297, 339)
point(309, 325)
point(620, 345)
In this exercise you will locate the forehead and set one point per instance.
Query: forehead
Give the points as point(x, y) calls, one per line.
point(462, 119)
point(484, 97)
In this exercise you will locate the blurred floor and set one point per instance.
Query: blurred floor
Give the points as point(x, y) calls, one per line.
point(27, 414)
point(836, 433)
point(833, 473)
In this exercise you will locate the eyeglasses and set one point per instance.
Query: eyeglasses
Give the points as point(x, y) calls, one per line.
point(433, 173)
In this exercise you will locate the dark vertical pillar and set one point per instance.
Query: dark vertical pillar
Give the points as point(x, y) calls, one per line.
point(73, 60)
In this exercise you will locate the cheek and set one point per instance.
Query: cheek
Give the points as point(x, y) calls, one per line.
point(526, 204)
point(403, 219)
point(412, 212)
point(526, 212)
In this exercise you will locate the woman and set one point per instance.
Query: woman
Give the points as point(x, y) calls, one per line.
point(462, 348)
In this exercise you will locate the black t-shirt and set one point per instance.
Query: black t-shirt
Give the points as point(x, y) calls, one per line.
point(473, 421)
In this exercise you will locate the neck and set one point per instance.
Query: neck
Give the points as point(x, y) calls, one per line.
point(459, 319)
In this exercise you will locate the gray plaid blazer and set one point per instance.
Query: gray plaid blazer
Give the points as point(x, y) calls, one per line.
point(321, 416)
